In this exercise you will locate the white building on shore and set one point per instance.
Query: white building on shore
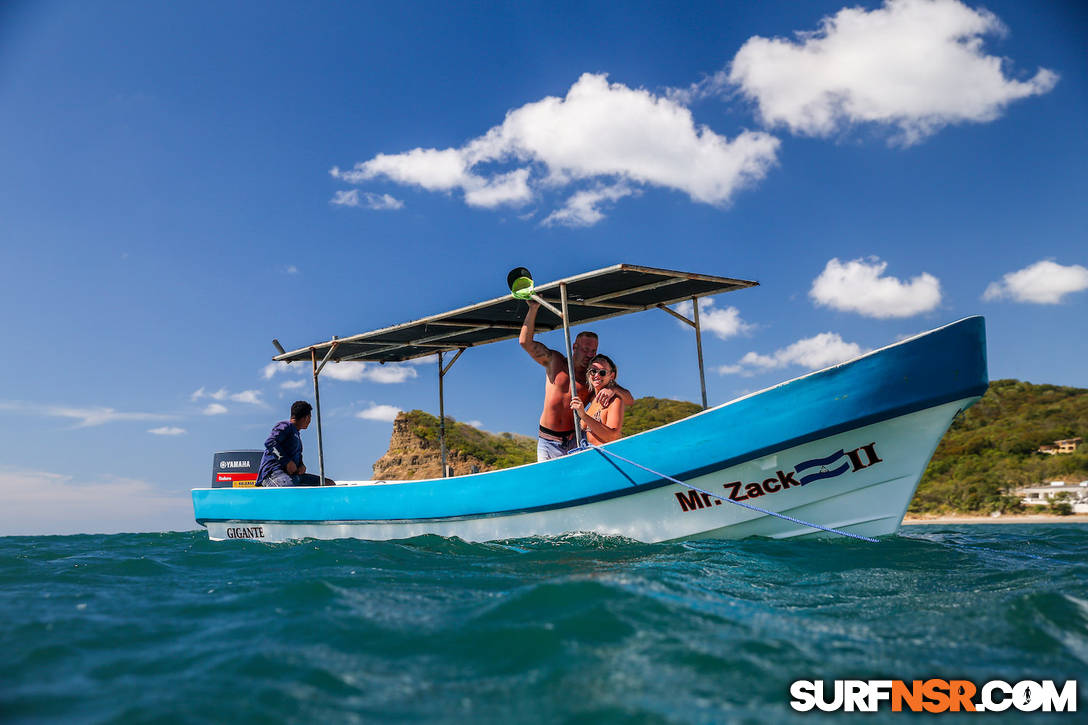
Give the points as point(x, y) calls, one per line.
point(1076, 493)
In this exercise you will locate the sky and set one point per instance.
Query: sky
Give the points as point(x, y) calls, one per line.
point(184, 182)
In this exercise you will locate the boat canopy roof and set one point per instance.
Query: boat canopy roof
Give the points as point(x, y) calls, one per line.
point(609, 292)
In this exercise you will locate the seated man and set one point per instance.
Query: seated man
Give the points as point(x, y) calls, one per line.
point(281, 464)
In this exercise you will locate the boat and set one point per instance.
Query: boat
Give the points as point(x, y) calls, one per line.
point(838, 451)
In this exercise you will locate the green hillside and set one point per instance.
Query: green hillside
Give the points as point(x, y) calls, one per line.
point(502, 450)
point(992, 447)
point(649, 413)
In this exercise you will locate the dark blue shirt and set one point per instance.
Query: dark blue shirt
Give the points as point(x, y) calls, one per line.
point(284, 444)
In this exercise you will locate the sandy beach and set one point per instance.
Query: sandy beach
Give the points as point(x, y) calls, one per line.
point(1004, 519)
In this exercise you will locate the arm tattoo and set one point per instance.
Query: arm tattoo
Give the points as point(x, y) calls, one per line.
point(540, 352)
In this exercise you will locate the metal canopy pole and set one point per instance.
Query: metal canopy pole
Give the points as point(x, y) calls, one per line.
point(699, 348)
point(570, 359)
point(550, 307)
point(317, 404)
point(442, 405)
point(441, 415)
point(698, 340)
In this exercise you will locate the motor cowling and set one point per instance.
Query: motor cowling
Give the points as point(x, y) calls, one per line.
point(236, 469)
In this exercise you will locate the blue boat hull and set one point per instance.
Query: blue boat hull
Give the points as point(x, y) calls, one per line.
point(842, 447)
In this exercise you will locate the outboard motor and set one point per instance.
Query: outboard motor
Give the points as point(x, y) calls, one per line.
point(236, 469)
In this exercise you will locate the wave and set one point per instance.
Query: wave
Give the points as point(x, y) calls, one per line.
point(146, 626)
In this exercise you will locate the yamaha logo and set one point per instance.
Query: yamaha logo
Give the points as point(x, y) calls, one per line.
point(222, 464)
point(233, 464)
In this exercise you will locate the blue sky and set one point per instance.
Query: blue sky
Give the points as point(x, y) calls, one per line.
point(185, 181)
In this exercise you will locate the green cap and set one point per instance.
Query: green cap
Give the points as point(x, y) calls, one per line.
point(520, 281)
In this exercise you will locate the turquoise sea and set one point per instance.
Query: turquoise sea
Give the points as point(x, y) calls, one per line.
point(579, 629)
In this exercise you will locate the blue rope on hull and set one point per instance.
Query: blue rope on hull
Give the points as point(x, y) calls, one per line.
point(738, 503)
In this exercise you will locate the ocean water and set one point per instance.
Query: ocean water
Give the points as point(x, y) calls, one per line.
point(577, 629)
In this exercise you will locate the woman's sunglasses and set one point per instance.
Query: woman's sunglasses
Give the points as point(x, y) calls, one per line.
point(598, 372)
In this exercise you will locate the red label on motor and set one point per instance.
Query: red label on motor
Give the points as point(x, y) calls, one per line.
point(237, 478)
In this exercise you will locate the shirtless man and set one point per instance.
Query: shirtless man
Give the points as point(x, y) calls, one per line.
point(557, 420)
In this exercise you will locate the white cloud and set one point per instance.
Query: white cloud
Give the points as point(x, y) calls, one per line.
point(724, 323)
point(215, 409)
point(293, 384)
point(103, 505)
point(713, 85)
point(253, 397)
point(351, 371)
point(379, 202)
point(291, 269)
point(425, 360)
point(917, 65)
point(608, 134)
point(582, 208)
point(375, 373)
point(755, 359)
point(270, 370)
point(510, 188)
point(478, 424)
point(168, 430)
point(98, 416)
point(816, 352)
point(386, 413)
point(201, 392)
point(431, 169)
point(344, 198)
point(860, 286)
point(85, 417)
point(391, 373)
point(1044, 283)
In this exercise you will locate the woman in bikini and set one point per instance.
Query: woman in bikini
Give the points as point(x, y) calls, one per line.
point(602, 424)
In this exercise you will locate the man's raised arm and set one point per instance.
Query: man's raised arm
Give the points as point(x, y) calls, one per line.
point(615, 391)
point(624, 394)
point(537, 350)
